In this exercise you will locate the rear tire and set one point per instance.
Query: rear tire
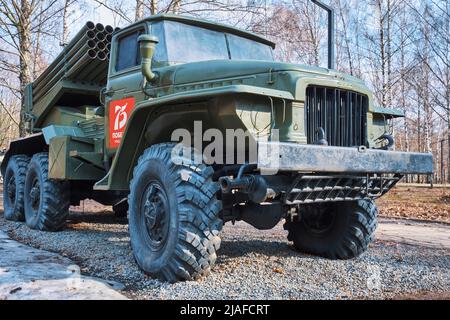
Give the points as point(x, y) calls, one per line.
point(13, 188)
point(173, 216)
point(47, 201)
point(341, 230)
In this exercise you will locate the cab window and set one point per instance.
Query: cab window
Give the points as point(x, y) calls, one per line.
point(128, 53)
point(160, 55)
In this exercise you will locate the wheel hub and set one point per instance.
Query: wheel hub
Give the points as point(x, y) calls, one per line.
point(319, 219)
point(156, 212)
point(35, 194)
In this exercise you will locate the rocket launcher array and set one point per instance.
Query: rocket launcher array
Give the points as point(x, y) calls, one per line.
point(85, 58)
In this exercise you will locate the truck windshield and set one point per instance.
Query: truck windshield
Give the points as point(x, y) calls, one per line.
point(246, 49)
point(186, 43)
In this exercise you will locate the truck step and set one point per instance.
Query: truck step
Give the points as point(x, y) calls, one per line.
point(102, 185)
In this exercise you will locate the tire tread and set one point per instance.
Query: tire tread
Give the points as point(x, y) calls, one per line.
point(355, 239)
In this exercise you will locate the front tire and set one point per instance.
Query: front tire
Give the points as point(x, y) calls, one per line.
point(47, 201)
point(13, 188)
point(173, 216)
point(341, 230)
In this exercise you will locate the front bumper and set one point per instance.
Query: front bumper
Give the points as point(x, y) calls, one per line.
point(274, 157)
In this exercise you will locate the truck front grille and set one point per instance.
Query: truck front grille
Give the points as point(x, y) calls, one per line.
point(342, 114)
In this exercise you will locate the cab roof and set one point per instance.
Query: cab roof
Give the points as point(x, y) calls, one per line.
point(210, 25)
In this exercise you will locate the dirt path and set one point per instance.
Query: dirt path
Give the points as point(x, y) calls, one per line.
point(425, 234)
point(28, 273)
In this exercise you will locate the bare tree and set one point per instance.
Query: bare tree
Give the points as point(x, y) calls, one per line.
point(153, 6)
point(20, 21)
point(176, 5)
point(15, 21)
point(120, 9)
point(65, 21)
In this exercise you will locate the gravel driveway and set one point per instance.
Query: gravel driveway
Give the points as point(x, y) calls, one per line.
point(256, 264)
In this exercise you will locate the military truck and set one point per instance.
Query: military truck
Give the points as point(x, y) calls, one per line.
point(102, 117)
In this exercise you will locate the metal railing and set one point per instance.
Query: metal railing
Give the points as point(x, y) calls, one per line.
point(332, 188)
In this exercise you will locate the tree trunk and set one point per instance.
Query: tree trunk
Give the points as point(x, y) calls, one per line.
point(139, 12)
point(25, 47)
point(37, 47)
point(389, 54)
point(154, 6)
point(176, 6)
point(382, 52)
point(65, 23)
point(447, 91)
point(426, 84)
point(347, 42)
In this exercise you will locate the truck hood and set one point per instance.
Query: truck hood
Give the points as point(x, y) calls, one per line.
point(222, 69)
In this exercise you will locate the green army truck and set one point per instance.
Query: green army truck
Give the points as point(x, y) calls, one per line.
point(102, 120)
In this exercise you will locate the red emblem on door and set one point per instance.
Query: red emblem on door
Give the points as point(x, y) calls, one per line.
point(119, 113)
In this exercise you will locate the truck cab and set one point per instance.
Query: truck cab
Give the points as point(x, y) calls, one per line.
point(180, 41)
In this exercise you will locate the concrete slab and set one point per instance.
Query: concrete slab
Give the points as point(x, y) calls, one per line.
point(28, 273)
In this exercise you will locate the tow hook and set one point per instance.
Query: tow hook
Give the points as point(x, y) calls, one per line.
point(253, 185)
point(390, 141)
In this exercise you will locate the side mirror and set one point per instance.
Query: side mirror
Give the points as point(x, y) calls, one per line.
point(147, 44)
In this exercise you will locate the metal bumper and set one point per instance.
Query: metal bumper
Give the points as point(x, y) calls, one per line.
point(285, 156)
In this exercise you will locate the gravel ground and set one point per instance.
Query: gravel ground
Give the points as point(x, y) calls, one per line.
point(252, 264)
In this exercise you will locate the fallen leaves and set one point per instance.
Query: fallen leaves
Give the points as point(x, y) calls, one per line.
point(278, 270)
point(416, 203)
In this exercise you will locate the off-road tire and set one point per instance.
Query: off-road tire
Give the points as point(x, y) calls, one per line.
point(192, 238)
point(13, 186)
point(348, 236)
point(50, 211)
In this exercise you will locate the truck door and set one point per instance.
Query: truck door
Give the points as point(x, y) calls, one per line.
point(123, 90)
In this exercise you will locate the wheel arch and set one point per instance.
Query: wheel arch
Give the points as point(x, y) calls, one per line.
point(154, 122)
point(148, 127)
point(27, 146)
